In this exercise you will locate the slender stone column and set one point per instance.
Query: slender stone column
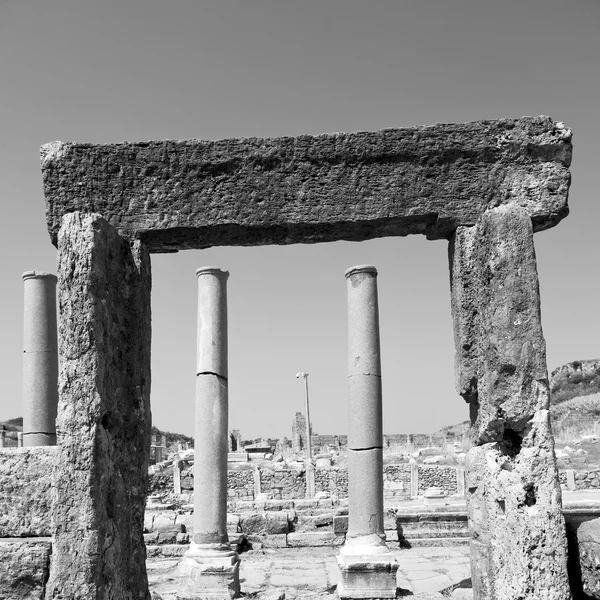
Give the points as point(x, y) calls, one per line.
point(368, 568)
point(211, 566)
point(40, 359)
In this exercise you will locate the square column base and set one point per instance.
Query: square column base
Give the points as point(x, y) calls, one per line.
point(209, 574)
point(367, 576)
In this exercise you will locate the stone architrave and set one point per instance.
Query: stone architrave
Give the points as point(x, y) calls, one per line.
point(518, 544)
point(211, 566)
point(103, 424)
point(367, 567)
point(40, 359)
point(288, 190)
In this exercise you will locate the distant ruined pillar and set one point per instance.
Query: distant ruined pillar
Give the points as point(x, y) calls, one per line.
point(40, 359)
point(211, 566)
point(368, 568)
point(518, 544)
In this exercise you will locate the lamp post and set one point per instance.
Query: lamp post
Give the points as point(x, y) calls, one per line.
point(308, 441)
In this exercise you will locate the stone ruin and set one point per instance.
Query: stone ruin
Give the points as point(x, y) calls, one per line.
point(485, 186)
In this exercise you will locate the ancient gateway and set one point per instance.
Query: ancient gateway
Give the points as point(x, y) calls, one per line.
point(485, 186)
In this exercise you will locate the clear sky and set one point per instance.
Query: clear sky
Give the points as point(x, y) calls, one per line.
point(82, 70)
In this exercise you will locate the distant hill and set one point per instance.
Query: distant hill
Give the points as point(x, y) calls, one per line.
point(575, 379)
point(13, 424)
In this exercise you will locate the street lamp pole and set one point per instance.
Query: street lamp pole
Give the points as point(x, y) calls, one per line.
point(308, 440)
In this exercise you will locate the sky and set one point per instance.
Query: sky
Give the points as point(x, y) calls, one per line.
point(137, 70)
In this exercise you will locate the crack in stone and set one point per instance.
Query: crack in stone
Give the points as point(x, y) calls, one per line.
point(219, 377)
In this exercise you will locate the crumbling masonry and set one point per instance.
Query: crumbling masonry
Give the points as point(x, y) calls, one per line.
point(486, 186)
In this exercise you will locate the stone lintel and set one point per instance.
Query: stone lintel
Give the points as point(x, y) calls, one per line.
point(430, 180)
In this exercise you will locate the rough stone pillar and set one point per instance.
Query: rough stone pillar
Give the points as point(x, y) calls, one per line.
point(211, 566)
point(40, 359)
point(518, 545)
point(19, 439)
point(103, 423)
point(368, 568)
point(2, 436)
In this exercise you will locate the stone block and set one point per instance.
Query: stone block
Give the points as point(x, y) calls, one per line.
point(313, 539)
point(305, 504)
point(367, 576)
point(588, 541)
point(100, 483)
point(406, 176)
point(253, 524)
point(314, 522)
point(164, 520)
point(25, 491)
point(279, 505)
point(167, 534)
point(24, 567)
point(276, 523)
point(340, 524)
point(269, 541)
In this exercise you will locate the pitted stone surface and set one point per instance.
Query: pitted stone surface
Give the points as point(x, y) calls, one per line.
point(24, 569)
point(518, 542)
point(103, 424)
point(500, 348)
point(25, 491)
point(345, 186)
point(588, 542)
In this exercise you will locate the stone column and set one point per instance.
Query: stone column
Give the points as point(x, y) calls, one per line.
point(20, 439)
point(211, 566)
point(518, 545)
point(40, 359)
point(368, 568)
point(103, 414)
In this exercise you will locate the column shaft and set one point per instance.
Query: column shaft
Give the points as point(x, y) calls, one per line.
point(365, 439)
point(210, 463)
point(40, 359)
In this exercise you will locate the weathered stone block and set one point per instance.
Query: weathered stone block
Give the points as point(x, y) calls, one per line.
point(314, 538)
point(276, 523)
point(25, 491)
point(340, 524)
point(269, 541)
point(588, 542)
point(518, 542)
point(103, 420)
point(343, 186)
point(24, 569)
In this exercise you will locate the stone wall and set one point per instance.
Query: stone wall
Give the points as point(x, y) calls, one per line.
point(290, 484)
point(283, 484)
point(396, 482)
point(240, 484)
point(437, 476)
point(333, 480)
point(25, 486)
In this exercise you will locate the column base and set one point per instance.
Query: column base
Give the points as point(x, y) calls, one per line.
point(210, 571)
point(367, 571)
